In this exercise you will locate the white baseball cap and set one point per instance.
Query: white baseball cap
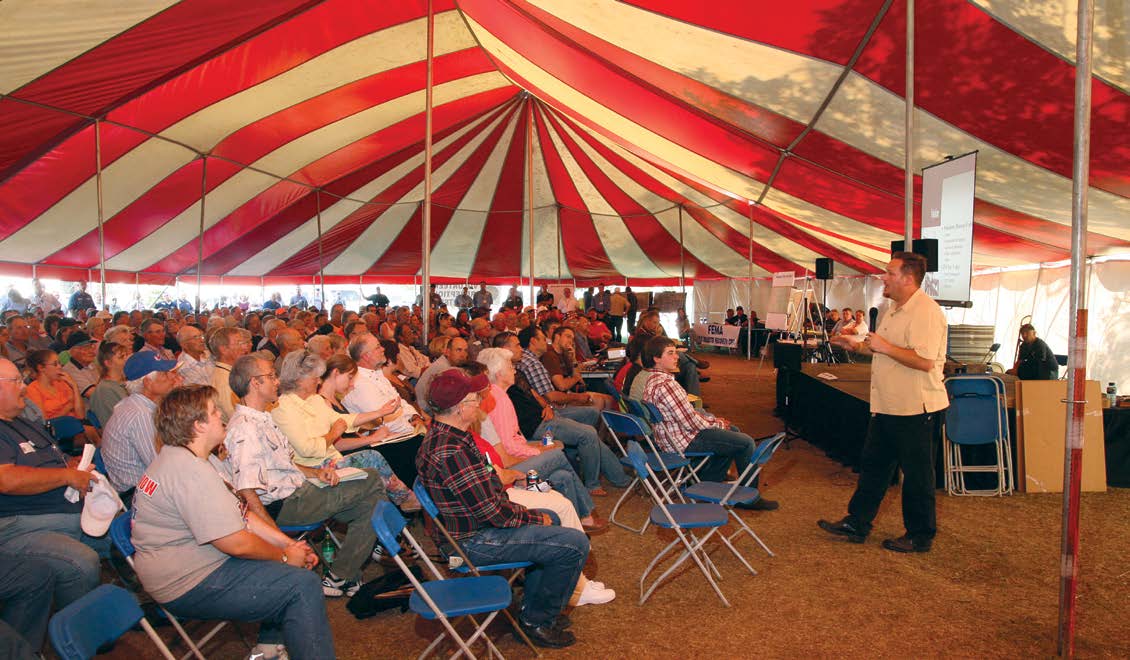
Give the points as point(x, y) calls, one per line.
point(100, 506)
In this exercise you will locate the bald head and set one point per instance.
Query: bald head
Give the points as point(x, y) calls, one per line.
point(11, 390)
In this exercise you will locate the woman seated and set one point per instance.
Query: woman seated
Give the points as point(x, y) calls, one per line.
point(202, 555)
point(398, 380)
point(55, 393)
point(111, 388)
point(518, 454)
point(308, 390)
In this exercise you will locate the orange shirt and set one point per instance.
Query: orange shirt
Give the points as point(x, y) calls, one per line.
point(54, 404)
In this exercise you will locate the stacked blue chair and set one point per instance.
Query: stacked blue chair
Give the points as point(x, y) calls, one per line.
point(668, 463)
point(440, 598)
point(977, 415)
point(98, 618)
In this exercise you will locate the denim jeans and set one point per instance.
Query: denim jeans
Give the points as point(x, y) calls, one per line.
point(553, 467)
point(26, 589)
point(575, 427)
point(558, 555)
point(287, 600)
point(688, 375)
point(57, 540)
point(728, 446)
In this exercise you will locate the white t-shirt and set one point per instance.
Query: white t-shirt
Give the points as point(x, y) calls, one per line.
point(180, 506)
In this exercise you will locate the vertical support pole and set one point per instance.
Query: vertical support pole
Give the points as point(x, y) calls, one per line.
point(682, 256)
point(200, 234)
point(1077, 335)
point(557, 212)
point(426, 232)
point(101, 212)
point(530, 189)
point(908, 184)
point(749, 310)
point(321, 263)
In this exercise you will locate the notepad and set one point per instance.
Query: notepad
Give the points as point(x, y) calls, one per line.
point(343, 474)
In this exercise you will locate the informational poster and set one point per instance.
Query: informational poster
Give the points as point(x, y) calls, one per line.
point(716, 334)
point(669, 301)
point(948, 190)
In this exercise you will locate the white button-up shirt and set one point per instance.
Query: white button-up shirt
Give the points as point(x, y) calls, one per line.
point(900, 390)
point(193, 371)
point(371, 390)
point(260, 456)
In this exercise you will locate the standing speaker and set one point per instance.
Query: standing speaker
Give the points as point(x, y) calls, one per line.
point(927, 247)
point(824, 268)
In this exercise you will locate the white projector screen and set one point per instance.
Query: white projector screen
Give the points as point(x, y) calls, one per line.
point(947, 215)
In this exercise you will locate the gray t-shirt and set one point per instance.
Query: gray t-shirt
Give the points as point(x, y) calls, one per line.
point(640, 384)
point(180, 506)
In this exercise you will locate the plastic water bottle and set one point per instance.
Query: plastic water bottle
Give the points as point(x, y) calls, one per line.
point(547, 439)
point(329, 551)
point(532, 480)
point(1112, 394)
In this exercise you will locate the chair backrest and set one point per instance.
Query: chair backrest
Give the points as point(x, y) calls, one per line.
point(767, 448)
point(425, 500)
point(638, 459)
point(635, 406)
point(627, 425)
point(99, 617)
point(977, 413)
point(93, 419)
point(120, 529)
point(388, 524)
point(653, 414)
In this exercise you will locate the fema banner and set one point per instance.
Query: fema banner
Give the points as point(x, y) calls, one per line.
point(716, 334)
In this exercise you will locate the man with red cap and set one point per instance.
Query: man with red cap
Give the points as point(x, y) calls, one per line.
point(489, 527)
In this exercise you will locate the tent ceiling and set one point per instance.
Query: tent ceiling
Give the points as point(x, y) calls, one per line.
point(293, 114)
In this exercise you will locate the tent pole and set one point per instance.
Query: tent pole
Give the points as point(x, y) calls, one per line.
point(1077, 335)
point(908, 184)
point(557, 212)
point(530, 189)
point(426, 232)
point(749, 312)
point(200, 235)
point(101, 211)
point(682, 258)
point(321, 264)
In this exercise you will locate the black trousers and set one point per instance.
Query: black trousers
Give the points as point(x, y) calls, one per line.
point(893, 441)
point(615, 324)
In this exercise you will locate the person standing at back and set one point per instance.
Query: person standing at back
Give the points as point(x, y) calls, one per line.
point(908, 400)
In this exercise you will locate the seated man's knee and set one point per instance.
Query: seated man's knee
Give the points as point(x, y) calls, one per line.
point(552, 516)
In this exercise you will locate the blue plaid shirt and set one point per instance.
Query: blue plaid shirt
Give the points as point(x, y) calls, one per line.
point(534, 371)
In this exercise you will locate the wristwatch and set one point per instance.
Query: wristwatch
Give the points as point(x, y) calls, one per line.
point(284, 559)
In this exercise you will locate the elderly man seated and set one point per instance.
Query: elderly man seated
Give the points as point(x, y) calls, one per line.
point(129, 440)
point(267, 478)
point(685, 428)
point(489, 527)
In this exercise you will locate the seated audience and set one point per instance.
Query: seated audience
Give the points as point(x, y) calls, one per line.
point(227, 345)
point(411, 362)
point(1034, 360)
point(689, 366)
point(450, 352)
point(194, 365)
point(490, 528)
point(276, 488)
point(560, 362)
point(685, 428)
point(129, 439)
point(57, 396)
point(111, 388)
point(81, 367)
point(199, 553)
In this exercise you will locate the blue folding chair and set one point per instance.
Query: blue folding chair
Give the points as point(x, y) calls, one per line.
point(440, 598)
point(977, 415)
point(120, 529)
point(739, 491)
point(630, 426)
point(465, 565)
point(682, 519)
point(96, 619)
point(654, 416)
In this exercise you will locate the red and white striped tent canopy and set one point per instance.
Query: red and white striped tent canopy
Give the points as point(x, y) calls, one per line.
point(655, 124)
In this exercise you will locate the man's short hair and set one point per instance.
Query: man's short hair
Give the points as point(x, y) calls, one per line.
point(527, 334)
point(438, 345)
point(912, 264)
point(653, 349)
point(244, 369)
point(359, 345)
point(560, 330)
point(1027, 327)
point(179, 411)
point(222, 338)
point(501, 338)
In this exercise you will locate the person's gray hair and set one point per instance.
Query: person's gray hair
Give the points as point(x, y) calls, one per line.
point(244, 369)
point(92, 322)
point(318, 343)
point(231, 322)
point(184, 332)
point(359, 345)
point(495, 360)
point(137, 385)
point(272, 325)
point(216, 322)
point(112, 334)
point(297, 365)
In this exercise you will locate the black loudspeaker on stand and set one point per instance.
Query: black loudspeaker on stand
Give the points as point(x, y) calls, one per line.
point(927, 247)
point(824, 268)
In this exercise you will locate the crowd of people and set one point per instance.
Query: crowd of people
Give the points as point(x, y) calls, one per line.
point(217, 429)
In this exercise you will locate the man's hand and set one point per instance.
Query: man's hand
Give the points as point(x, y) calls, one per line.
point(328, 475)
point(877, 344)
point(546, 520)
point(508, 476)
point(842, 342)
point(379, 434)
point(295, 553)
point(81, 480)
point(547, 413)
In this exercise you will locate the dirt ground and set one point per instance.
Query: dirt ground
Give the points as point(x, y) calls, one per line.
point(989, 588)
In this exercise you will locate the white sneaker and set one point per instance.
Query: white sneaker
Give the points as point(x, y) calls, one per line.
point(594, 595)
point(598, 585)
point(269, 652)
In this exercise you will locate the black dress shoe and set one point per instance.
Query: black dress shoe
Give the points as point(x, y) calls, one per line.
point(548, 635)
point(563, 622)
point(843, 528)
point(704, 379)
point(906, 544)
point(760, 504)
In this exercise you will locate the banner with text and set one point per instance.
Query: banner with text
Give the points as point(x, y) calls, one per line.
point(716, 334)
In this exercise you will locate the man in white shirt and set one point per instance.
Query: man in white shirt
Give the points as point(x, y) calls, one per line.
point(194, 364)
point(411, 362)
point(129, 441)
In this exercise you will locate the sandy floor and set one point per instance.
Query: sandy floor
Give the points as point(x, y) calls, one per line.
point(988, 589)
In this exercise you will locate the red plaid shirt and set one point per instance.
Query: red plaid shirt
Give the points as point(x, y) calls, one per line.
point(681, 421)
point(465, 488)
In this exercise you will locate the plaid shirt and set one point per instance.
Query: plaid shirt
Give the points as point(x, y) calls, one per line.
point(466, 490)
point(681, 422)
point(535, 373)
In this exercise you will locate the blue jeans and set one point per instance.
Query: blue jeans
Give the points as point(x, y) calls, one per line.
point(553, 467)
point(728, 445)
point(26, 588)
point(287, 600)
point(575, 427)
point(558, 555)
point(57, 540)
point(688, 375)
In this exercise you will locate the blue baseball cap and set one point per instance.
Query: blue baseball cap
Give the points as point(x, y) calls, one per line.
point(143, 363)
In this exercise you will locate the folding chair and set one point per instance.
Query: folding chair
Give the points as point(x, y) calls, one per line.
point(441, 598)
point(682, 519)
point(467, 566)
point(120, 537)
point(655, 417)
point(631, 426)
point(977, 415)
point(96, 619)
point(738, 492)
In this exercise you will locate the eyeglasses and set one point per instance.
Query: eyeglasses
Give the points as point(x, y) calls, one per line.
point(14, 380)
point(271, 375)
